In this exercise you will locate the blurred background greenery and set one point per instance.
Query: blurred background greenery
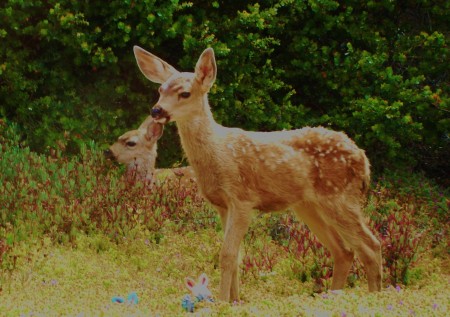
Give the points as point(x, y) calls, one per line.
point(378, 70)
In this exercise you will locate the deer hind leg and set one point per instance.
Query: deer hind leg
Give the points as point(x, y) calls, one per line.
point(223, 213)
point(357, 235)
point(330, 238)
point(237, 224)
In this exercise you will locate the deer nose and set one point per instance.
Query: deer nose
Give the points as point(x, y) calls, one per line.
point(156, 111)
point(108, 154)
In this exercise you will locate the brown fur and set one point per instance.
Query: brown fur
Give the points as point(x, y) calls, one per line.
point(320, 174)
point(140, 156)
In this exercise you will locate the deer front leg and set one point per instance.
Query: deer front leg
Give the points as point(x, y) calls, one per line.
point(234, 291)
point(237, 225)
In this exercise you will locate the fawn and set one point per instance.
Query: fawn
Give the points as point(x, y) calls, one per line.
point(137, 149)
point(318, 173)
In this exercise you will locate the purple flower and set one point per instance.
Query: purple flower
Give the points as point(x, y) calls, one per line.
point(390, 307)
point(398, 288)
point(343, 314)
point(435, 306)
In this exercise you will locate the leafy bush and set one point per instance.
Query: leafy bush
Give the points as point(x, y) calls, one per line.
point(61, 79)
point(366, 68)
point(377, 70)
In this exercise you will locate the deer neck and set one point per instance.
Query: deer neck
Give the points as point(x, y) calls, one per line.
point(142, 168)
point(198, 136)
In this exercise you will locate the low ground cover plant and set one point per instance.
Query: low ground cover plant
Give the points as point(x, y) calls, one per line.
point(55, 203)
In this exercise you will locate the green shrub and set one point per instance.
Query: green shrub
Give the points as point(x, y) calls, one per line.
point(377, 70)
point(67, 74)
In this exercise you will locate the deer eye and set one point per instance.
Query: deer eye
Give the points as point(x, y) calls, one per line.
point(130, 143)
point(185, 94)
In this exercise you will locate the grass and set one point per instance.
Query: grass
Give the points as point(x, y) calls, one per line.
point(81, 279)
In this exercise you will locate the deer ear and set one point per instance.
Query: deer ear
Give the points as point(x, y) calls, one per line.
point(154, 68)
point(154, 130)
point(190, 283)
point(203, 279)
point(146, 123)
point(206, 69)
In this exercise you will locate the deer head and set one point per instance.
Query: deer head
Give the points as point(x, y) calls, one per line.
point(179, 90)
point(138, 148)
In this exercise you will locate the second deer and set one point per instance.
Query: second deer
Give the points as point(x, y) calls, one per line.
point(137, 149)
point(320, 174)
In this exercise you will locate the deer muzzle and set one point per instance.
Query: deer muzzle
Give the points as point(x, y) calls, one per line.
point(160, 115)
point(109, 154)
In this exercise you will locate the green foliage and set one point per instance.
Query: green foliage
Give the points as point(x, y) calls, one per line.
point(377, 70)
point(410, 214)
point(61, 79)
point(261, 252)
point(61, 197)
